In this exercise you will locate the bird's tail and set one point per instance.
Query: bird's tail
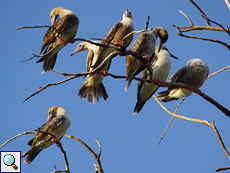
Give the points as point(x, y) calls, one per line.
point(129, 79)
point(164, 95)
point(93, 92)
point(32, 154)
point(138, 107)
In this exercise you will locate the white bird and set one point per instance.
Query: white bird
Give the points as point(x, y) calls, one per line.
point(57, 123)
point(145, 46)
point(67, 26)
point(92, 87)
point(194, 73)
point(161, 65)
point(93, 83)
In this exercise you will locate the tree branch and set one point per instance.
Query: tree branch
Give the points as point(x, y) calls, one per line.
point(198, 121)
point(170, 121)
point(96, 156)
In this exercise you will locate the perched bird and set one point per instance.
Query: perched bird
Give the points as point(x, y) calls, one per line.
point(54, 41)
point(57, 123)
point(93, 87)
point(161, 65)
point(194, 73)
point(145, 46)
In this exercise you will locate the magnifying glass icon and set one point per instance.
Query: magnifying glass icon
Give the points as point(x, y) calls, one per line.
point(9, 160)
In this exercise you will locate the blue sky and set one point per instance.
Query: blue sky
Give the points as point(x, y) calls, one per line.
point(128, 142)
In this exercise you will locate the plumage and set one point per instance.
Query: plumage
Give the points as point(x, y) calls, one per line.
point(57, 123)
point(161, 64)
point(143, 45)
point(93, 87)
point(67, 26)
point(194, 73)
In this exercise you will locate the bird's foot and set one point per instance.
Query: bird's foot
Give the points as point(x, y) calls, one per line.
point(54, 138)
point(104, 73)
point(72, 40)
point(148, 62)
point(62, 41)
point(118, 44)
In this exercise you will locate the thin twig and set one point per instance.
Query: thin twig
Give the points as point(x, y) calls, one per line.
point(47, 85)
point(170, 121)
point(201, 38)
point(187, 18)
point(143, 30)
point(222, 169)
point(225, 68)
point(24, 27)
point(24, 133)
point(96, 156)
point(201, 11)
point(226, 30)
point(198, 121)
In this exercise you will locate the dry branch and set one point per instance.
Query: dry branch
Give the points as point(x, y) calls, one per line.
point(198, 121)
point(170, 121)
point(208, 27)
point(222, 169)
point(98, 168)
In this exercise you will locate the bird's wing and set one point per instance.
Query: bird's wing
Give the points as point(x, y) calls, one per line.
point(49, 126)
point(51, 33)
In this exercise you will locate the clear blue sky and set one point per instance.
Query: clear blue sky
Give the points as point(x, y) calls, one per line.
point(128, 142)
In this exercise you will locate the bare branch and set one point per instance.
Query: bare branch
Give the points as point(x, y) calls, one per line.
point(222, 169)
point(225, 68)
point(24, 133)
point(201, 38)
point(198, 121)
point(24, 27)
point(96, 156)
point(227, 3)
point(187, 18)
point(226, 30)
point(47, 85)
point(207, 22)
point(143, 30)
point(170, 121)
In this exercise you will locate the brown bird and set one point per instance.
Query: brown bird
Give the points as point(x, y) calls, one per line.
point(145, 46)
point(57, 123)
point(92, 87)
point(55, 39)
point(194, 73)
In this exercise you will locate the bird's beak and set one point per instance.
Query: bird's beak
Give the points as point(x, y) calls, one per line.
point(50, 116)
point(160, 45)
point(173, 56)
point(53, 19)
point(79, 49)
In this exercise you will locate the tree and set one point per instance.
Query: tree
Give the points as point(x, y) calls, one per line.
point(137, 115)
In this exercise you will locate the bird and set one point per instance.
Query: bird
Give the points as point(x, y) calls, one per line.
point(57, 123)
point(161, 65)
point(96, 88)
point(144, 45)
point(92, 87)
point(54, 41)
point(194, 73)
